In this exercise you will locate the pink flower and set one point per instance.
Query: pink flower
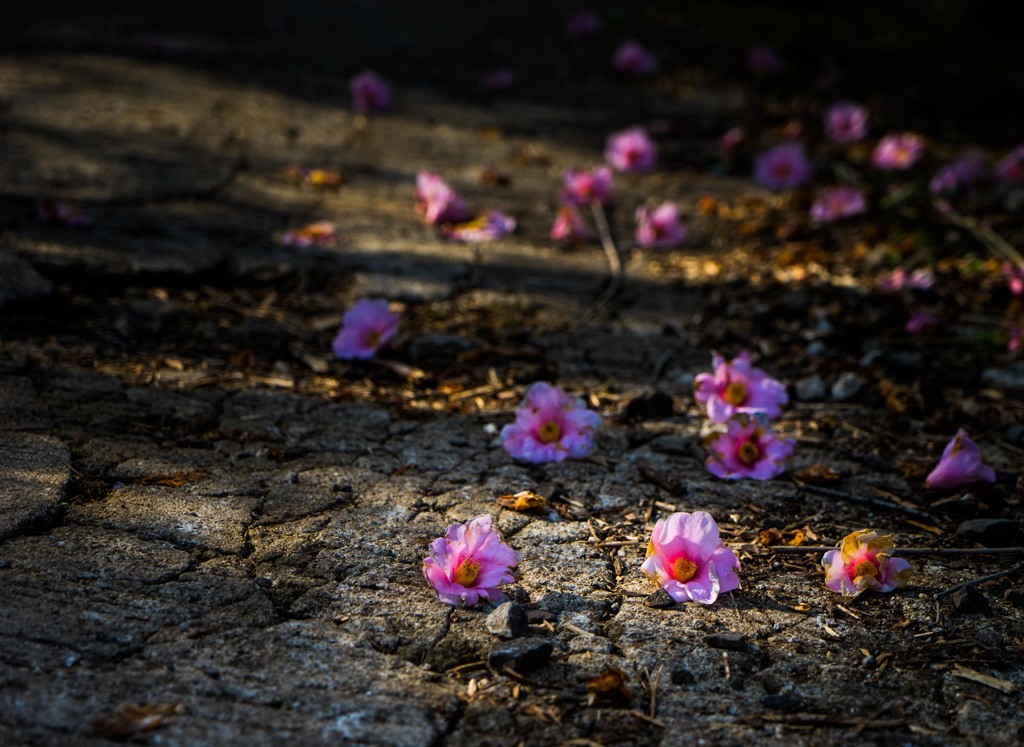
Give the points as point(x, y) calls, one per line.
point(660, 227)
point(631, 150)
point(585, 187)
point(896, 280)
point(367, 326)
point(1014, 278)
point(320, 233)
point(1014, 338)
point(898, 152)
point(492, 225)
point(921, 321)
point(846, 123)
point(583, 23)
point(631, 58)
point(1010, 167)
point(469, 563)
point(763, 60)
point(836, 203)
point(67, 213)
point(960, 174)
point(437, 202)
point(960, 465)
point(783, 167)
point(686, 558)
point(747, 448)
point(370, 92)
point(732, 139)
point(864, 561)
point(550, 426)
point(569, 225)
point(737, 387)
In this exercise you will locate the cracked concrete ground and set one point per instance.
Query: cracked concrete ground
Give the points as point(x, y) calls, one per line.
point(199, 507)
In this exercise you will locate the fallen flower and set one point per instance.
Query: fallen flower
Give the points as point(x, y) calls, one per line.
point(632, 58)
point(736, 387)
point(1014, 277)
point(437, 202)
point(1014, 338)
point(583, 23)
point(836, 203)
point(585, 187)
point(366, 327)
point(659, 228)
point(783, 167)
point(686, 558)
point(960, 174)
point(897, 279)
point(320, 233)
point(763, 60)
point(370, 92)
point(732, 139)
point(747, 448)
point(67, 213)
point(846, 122)
point(631, 150)
point(898, 152)
point(1010, 168)
point(492, 225)
point(921, 321)
point(469, 563)
point(960, 465)
point(550, 426)
point(569, 225)
point(864, 561)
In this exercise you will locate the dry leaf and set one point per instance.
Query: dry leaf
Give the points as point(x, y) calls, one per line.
point(132, 718)
point(818, 474)
point(524, 500)
point(793, 537)
point(609, 689)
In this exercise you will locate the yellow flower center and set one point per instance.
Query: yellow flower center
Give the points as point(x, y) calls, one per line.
point(683, 570)
point(865, 568)
point(735, 393)
point(467, 572)
point(550, 432)
point(749, 452)
point(372, 338)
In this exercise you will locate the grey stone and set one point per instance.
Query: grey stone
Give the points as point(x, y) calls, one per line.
point(508, 620)
point(847, 386)
point(969, 601)
point(991, 532)
point(523, 654)
point(19, 280)
point(34, 474)
point(810, 388)
point(730, 639)
point(660, 600)
point(1010, 378)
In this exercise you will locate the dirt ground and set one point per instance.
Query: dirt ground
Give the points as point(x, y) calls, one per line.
point(203, 514)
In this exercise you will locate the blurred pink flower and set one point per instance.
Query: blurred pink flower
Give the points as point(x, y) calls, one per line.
point(1014, 338)
point(67, 213)
point(686, 558)
point(783, 167)
point(921, 321)
point(747, 448)
point(437, 202)
point(633, 59)
point(763, 60)
point(1010, 167)
point(320, 233)
point(492, 225)
point(470, 563)
point(585, 187)
point(631, 150)
point(960, 174)
point(550, 426)
point(897, 279)
point(583, 23)
point(1014, 278)
point(738, 387)
point(960, 465)
point(864, 561)
point(836, 203)
point(366, 327)
point(659, 228)
point(846, 122)
point(569, 225)
point(732, 139)
point(898, 152)
point(370, 92)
